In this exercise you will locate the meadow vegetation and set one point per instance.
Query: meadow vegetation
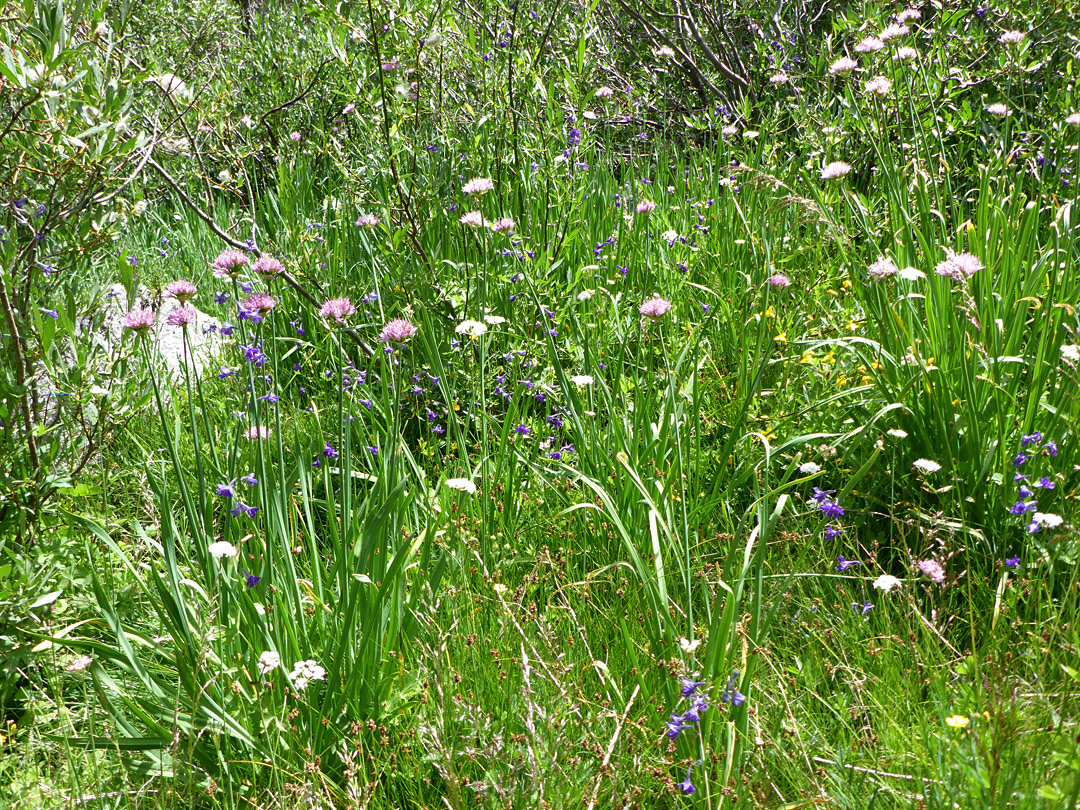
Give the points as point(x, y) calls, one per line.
point(591, 404)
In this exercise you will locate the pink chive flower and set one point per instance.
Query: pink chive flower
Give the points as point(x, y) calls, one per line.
point(140, 321)
point(958, 266)
point(503, 224)
point(869, 45)
point(881, 269)
point(268, 267)
point(337, 310)
point(779, 280)
point(181, 316)
point(397, 331)
point(655, 308)
point(933, 569)
point(259, 302)
point(1011, 38)
point(182, 290)
point(294, 136)
point(478, 185)
point(646, 207)
point(256, 432)
point(367, 221)
point(843, 66)
point(229, 263)
point(835, 170)
point(474, 219)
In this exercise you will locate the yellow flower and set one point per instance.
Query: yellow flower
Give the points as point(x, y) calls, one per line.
point(852, 326)
point(769, 312)
point(957, 721)
point(847, 284)
point(807, 358)
point(830, 357)
point(782, 337)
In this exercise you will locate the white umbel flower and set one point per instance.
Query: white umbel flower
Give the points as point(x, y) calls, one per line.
point(268, 662)
point(461, 485)
point(926, 466)
point(887, 583)
point(304, 672)
point(222, 548)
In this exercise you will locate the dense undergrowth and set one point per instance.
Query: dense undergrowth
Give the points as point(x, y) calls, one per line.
point(568, 423)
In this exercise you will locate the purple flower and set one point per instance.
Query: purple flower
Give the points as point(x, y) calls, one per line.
point(690, 686)
point(236, 510)
point(832, 531)
point(1030, 438)
point(1012, 562)
point(1020, 458)
point(844, 565)
point(1044, 483)
point(250, 480)
point(226, 490)
point(1022, 507)
point(821, 494)
point(374, 450)
point(252, 511)
point(252, 580)
point(686, 786)
point(864, 608)
point(52, 313)
point(329, 451)
point(831, 509)
point(438, 430)
point(1051, 448)
point(674, 726)
point(731, 694)
point(523, 430)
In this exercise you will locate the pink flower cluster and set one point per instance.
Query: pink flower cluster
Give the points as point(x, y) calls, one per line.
point(397, 331)
point(268, 267)
point(140, 321)
point(181, 316)
point(337, 310)
point(229, 263)
point(182, 290)
point(260, 303)
point(655, 308)
point(958, 266)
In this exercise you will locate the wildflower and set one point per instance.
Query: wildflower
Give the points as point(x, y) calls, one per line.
point(181, 316)
point(689, 686)
point(503, 224)
point(906, 53)
point(294, 136)
point(843, 66)
point(461, 485)
point(893, 31)
point(182, 290)
point(268, 267)
point(52, 313)
point(778, 78)
point(1022, 507)
point(604, 92)
point(226, 490)
point(337, 310)
point(140, 321)
point(1012, 562)
point(1051, 448)
point(229, 263)
point(731, 694)
point(958, 266)
point(887, 583)
point(912, 274)
point(820, 495)
point(221, 298)
point(864, 608)
point(222, 548)
point(646, 207)
point(882, 268)
point(1073, 120)
point(909, 15)
point(933, 569)
point(1020, 459)
point(655, 308)
point(665, 52)
point(779, 280)
point(474, 219)
point(957, 721)
point(260, 303)
point(252, 580)
point(397, 331)
point(80, 663)
point(869, 45)
point(523, 430)
point(478, 185)
point(581, 380)
point(844, 565)
point(831, 509)
point(879, 86)
point(926, 466)
point(1027, 439)
point(304, 672)
point(835, 170)
point(1011, 38)
point(675, 726)
point(473, 329)
point(268, 662)
point(686, 786)
point(257, 432)
point(809, 468)
point(831, 532)
point(373, 450)
point(367, 221)
point(998, 110)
